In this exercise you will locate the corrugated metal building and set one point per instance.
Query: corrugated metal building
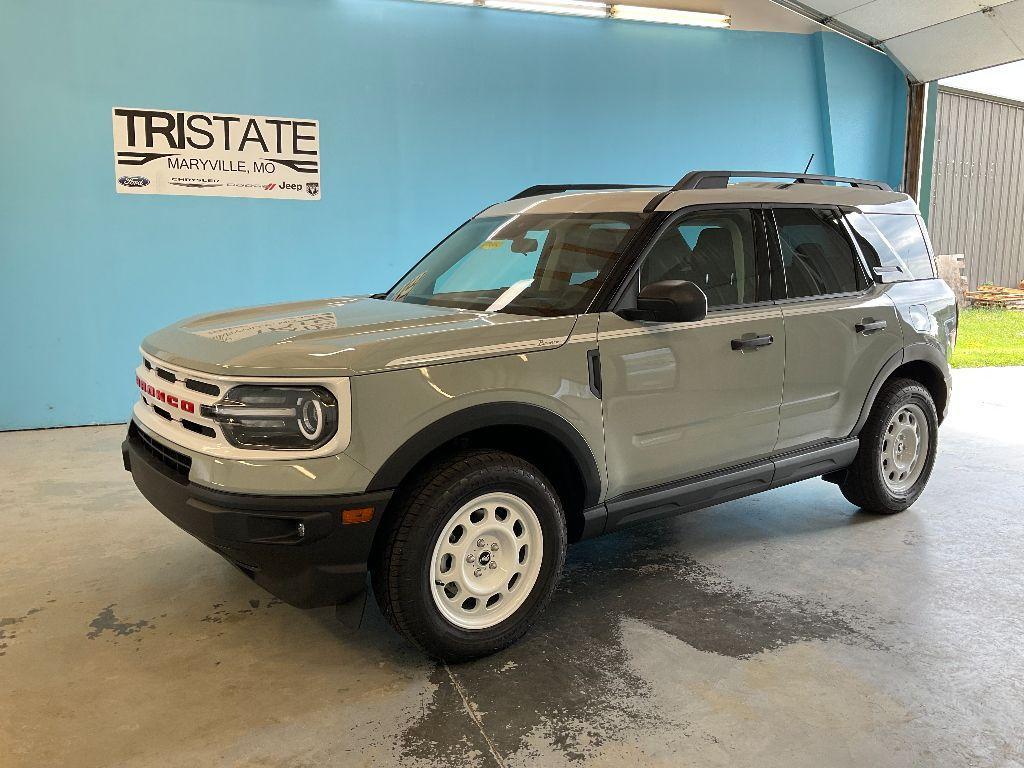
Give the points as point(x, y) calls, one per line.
point(977, 199)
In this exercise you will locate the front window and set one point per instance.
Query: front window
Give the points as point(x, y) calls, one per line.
point(529, 264)
point(714, 250)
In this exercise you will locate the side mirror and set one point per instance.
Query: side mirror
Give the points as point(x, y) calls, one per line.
point(672, 301)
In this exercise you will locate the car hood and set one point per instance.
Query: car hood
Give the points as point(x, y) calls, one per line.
point(346, 337)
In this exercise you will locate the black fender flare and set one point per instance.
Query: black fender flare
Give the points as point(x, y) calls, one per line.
point(921, 351)
point(501, 414)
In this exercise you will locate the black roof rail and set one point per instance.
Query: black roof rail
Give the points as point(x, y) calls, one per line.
point(720, 179)
point(550, 189)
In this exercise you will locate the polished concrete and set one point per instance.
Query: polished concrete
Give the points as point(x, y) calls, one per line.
point(788, 629)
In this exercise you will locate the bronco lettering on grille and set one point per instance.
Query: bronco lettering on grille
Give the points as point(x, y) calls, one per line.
point(158, 394)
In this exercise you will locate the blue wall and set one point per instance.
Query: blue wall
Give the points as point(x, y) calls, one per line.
point(427, 113)
point(852, 77)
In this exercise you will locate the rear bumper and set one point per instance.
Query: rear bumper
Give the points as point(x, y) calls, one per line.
point(295, 547)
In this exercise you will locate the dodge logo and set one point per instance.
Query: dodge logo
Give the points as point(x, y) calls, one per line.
point(157, 394)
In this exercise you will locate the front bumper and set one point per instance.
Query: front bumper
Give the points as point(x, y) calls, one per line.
point(296, 547)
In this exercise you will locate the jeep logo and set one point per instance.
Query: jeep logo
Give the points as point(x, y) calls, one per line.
point(293, 187)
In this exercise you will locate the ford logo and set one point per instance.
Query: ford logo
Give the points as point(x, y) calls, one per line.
point(133, 181)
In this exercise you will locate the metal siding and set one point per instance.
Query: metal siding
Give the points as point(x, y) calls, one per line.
point(977, 202)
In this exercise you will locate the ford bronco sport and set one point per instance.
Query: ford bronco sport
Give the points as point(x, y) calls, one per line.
point(570, 361)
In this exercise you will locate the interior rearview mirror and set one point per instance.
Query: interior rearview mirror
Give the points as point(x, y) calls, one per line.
point(672, 301)
point(524, 245)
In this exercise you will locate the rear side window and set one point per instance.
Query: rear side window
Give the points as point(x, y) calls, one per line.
point(894, 243)
point(818, 258)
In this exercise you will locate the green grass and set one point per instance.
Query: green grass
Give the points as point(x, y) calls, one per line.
point(989, 337)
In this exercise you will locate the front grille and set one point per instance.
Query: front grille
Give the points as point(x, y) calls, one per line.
point(178, 463)
point(166, 375)
point(199, 429)
point(202, 386)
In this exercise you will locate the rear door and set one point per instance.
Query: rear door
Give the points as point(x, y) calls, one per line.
point(840, 326)
point(683, 399)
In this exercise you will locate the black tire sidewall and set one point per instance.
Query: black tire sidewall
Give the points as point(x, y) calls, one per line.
point(909, 394)
point(435, 632)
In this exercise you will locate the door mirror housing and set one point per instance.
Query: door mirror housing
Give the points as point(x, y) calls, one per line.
point(670, 301)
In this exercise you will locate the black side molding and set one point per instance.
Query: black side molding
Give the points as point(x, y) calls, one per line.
point(498, 414)
point(792, 468)
point(713, 488)
point(695, 493)
point(920, 351)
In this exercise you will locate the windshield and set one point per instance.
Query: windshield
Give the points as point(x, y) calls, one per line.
point(529, 264)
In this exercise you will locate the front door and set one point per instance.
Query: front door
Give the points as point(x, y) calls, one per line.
point(682, 399)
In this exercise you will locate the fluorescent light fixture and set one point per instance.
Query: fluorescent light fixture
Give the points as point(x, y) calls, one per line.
point(561, 7)
point(670, 16)
point(599, 10)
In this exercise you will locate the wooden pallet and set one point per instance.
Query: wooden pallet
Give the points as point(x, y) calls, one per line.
point(997, 296)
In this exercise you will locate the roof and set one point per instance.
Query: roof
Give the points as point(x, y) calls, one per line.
point(929, 39)
point(636, 200)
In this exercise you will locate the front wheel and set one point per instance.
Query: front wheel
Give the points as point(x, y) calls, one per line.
point(897, 449)
point(474, 555)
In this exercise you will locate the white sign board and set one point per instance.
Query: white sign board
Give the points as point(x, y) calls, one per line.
point(165, 152)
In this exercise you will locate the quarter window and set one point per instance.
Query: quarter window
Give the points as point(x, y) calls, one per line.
point(894, 243)
point(818, 258)
point(714, 249)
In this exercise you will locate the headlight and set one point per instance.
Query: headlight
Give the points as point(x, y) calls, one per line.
point(282, 417)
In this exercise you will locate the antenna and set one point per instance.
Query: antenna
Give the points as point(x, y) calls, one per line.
point(809, 161)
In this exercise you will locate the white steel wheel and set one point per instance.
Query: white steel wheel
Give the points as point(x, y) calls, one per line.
point(904, 450)
point(486, 561)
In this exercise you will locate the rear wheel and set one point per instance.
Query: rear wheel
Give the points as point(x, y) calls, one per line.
point(897, 449)
point(474, 555)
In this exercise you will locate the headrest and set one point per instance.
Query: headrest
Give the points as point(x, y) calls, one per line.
point(588, 250)
point(714, 239)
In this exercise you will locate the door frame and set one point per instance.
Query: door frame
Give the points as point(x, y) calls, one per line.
point(774, 243)
point(621, 297)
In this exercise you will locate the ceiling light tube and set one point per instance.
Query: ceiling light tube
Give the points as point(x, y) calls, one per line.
point(561, 7)
point(670, 16)
point(599, 10)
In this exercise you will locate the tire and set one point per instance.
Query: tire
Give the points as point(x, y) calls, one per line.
point(485, 493)
point(884, 478)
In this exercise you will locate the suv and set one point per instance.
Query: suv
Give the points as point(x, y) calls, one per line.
point(570, 361)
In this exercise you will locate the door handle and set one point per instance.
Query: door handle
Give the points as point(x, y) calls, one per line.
point(752, 343)
point(867, 325)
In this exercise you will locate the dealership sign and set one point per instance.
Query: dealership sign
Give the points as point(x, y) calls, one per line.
point(162, 152)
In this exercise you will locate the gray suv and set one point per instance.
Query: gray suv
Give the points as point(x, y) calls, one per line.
point(573, 360)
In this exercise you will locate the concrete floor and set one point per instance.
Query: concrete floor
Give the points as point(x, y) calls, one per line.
point(787, 629)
